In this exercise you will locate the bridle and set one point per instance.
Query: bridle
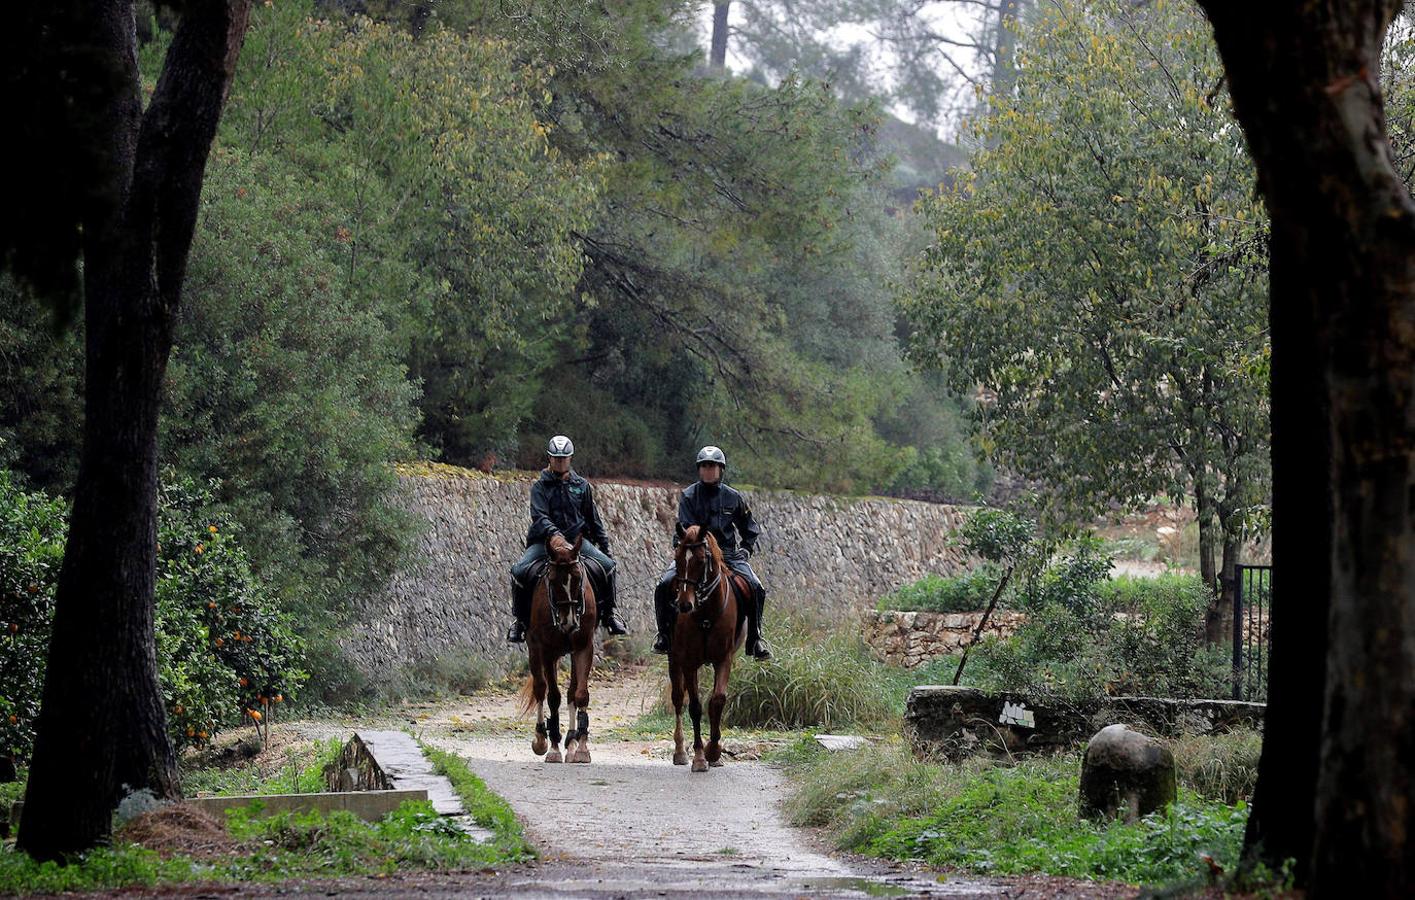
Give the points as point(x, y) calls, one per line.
point(566, 614)
point(706, 585)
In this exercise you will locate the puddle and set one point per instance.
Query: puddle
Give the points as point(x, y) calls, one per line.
point(863, 885)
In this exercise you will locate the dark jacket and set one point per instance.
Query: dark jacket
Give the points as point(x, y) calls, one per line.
point(565, 506)
point(723, 511)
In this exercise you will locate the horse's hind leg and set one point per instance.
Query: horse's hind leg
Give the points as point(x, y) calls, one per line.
point(675, 690)
point(695, 709)
point(721, 673)
point(580, 664)
point(553, 690)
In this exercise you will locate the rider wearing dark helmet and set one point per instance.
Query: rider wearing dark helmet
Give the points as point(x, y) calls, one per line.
point(724, 512)
point(562, 503)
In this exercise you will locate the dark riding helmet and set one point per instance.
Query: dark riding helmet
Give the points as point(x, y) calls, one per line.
point(711, 454)
point(560, 445)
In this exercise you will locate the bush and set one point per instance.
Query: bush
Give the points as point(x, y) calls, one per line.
point(1122, 637)
point(224, 652)
point(935, 593)
point(32, 528)
point(1219, 767)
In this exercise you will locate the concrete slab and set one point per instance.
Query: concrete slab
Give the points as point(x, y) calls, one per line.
point(402, 761)
point(837, 742)
point(368, 805)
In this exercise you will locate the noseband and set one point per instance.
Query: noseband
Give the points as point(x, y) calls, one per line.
point(705, 586)
point(566, 615)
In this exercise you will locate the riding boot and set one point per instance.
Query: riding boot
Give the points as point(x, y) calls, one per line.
point(757, 646)
point(665, 615)
point(608, 617)
point(520, 609)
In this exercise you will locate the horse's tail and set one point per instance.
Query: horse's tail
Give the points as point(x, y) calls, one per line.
point(526, 700)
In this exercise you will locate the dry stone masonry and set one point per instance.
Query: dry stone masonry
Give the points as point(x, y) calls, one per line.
point(911, 639)
point(832, 556)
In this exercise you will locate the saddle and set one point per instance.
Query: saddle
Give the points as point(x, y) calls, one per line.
point(599, 579)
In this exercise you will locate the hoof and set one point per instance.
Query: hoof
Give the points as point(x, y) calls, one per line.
point(553, 756)
point(713, 752)
point(680, 759)
point(700, 765)
point(538, 746)
point(716, 763)
point(580, 756)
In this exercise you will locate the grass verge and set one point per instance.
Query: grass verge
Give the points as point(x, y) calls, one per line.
point(277, 848)
point(1005, 820)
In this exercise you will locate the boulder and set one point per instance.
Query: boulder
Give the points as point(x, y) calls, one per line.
point(1125, 775)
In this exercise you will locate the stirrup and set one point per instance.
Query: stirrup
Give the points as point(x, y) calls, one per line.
point(516, 634)
point(760, 650)
point(660, 643)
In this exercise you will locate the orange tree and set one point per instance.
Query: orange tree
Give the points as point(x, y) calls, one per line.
point(223, 648)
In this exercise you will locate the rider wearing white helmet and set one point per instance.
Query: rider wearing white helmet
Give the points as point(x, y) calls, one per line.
point(724, 512)
point(562, 503)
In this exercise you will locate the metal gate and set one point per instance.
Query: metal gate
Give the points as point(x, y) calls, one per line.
point(1252, 631)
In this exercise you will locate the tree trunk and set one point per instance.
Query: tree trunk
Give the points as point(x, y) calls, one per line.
point(1227, 581)
point(1335, 780)
point(1208, 571)
point(717, 55)
point(1004, 59)
point(102, 727)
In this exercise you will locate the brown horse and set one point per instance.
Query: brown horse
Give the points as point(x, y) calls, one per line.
point(563, 619)
point(706, 631)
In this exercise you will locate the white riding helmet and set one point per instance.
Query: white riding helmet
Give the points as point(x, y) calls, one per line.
point(713, 455)
point(560, 445)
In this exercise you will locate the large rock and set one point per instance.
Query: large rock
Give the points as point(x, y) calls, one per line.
point(1125, 775)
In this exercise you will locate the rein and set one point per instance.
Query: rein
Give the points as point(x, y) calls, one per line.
point(708, 584)
point(575, 608)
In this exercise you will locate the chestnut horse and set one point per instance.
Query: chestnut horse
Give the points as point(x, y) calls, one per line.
point(563, 619)
point(706, 631)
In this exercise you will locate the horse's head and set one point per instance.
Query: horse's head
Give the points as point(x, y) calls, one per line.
point(565, 577)
point(697, 567)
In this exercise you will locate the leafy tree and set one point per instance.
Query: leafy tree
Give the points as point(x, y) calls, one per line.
point(1100, 275)
point(125, 178)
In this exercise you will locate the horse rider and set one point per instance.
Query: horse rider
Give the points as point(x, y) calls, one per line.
point(723, 511)
point(562, 503)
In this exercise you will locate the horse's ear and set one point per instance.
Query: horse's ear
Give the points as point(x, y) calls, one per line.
point(580, 539)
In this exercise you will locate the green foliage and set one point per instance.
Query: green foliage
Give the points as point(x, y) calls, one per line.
point(935, 593)
point(816, 677)
point(1124, 637)
point(301, 773)
point(997, 535)
point(223, 648)
point(1221, 767)
point(32, 528)
point(1101, 270)
point(412, 838)
point(983, 818)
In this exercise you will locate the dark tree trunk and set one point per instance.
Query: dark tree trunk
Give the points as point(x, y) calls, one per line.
point(102, 727)
point(1227, 582)
point(717, 55)
point(1335, 780)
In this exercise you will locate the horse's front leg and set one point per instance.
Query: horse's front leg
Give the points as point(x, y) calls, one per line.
point(580, 663)
point(675, 687)
point(553, 691)
point(695, 709)
point(538, 742)
point(721, 673)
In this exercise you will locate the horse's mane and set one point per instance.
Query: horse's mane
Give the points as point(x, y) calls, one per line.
point(694, 533)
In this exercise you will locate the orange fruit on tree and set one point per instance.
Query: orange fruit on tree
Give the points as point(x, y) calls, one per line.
point(211, 604)
point(14, 627)
point(255, 714)
point(191, 732)
point(219, 642)
point(211, 528)
point(13, 719)
point(244, 681)
point(279, 698)
point(202, 735)
point(198, 548)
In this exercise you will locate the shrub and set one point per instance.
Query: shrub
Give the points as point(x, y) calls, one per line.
point(32, 530)
point(1219, 767)
point(936, 593)
point(224, 651)
point(1122, 637)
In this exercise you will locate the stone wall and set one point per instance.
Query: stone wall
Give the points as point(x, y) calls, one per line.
point(830, 556)
point(952, 722)
point(911, 639)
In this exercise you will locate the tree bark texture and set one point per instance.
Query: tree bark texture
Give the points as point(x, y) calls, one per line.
point(1335, 781)
point(717, 53)
point(102, 726)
